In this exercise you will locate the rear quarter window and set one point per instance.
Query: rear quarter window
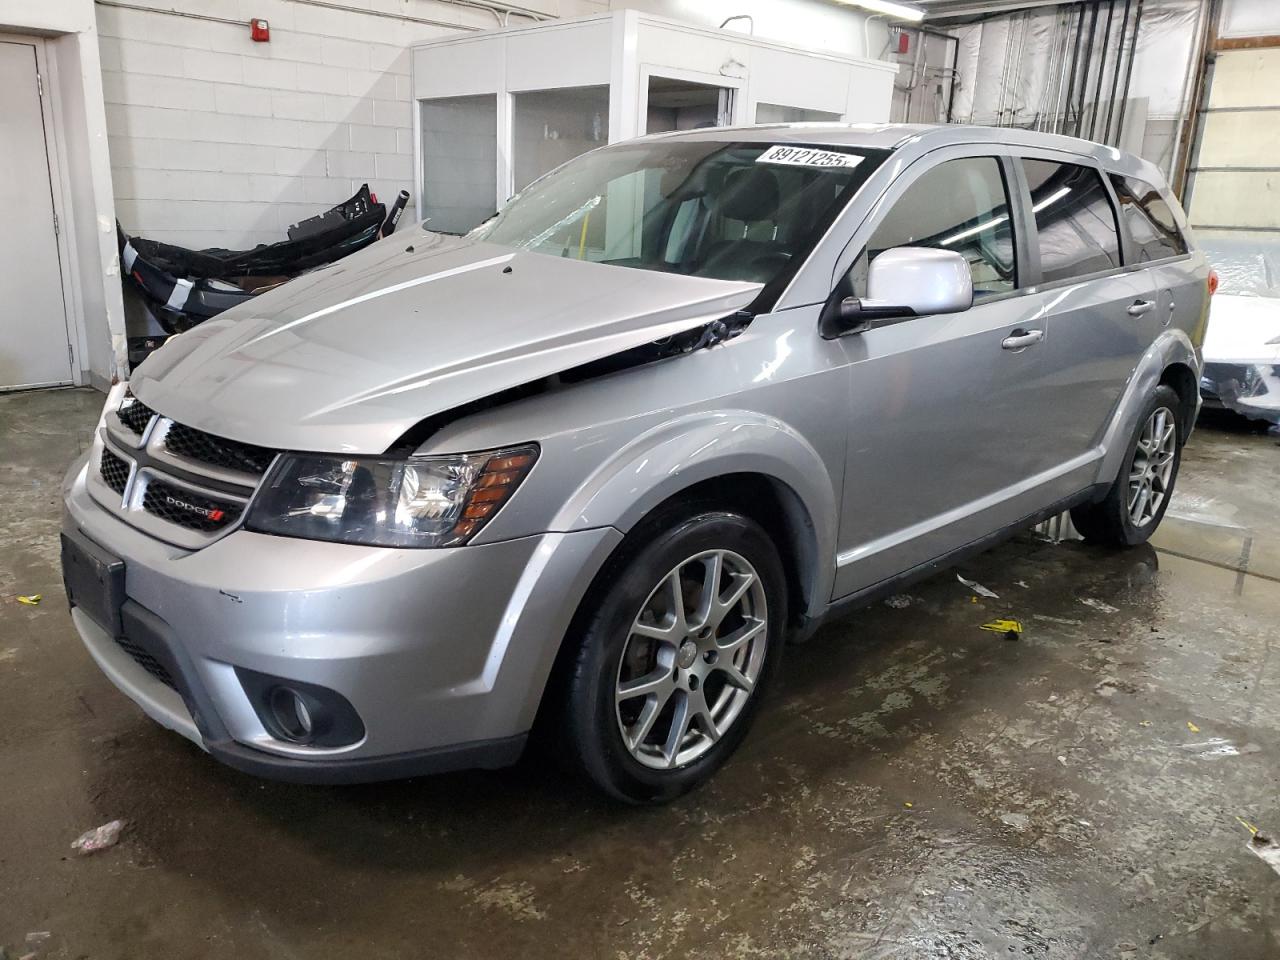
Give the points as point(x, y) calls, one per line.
point(1075, 223)
point(1151, 223)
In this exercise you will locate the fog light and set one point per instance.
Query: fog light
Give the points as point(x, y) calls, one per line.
point(301, 712)
point(292, 714)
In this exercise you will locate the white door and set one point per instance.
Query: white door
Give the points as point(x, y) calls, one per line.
point(34, 342)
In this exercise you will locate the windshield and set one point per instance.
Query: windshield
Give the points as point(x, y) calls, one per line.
point(732, 211)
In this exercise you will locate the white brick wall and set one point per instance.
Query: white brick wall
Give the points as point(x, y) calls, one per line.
point(219, 141)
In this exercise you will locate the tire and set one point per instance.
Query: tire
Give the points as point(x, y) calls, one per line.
point(1117, 520)
point(715, 675)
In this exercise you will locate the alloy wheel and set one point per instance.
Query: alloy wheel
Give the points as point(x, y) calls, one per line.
point(1152, 469)
point(692, 659)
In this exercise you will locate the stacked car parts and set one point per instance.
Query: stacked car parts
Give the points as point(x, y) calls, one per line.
point(180, 287)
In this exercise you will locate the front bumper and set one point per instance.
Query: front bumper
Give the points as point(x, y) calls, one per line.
point(443, 653)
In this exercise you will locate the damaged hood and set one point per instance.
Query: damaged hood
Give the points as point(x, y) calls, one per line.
point(348, 359)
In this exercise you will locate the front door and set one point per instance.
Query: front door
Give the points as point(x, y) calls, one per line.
point(944, 442)
point(34, 341)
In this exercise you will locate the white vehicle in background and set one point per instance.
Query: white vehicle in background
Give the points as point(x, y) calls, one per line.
point(1242, 346)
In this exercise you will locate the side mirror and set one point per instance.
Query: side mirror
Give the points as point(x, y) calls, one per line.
point(906, 282)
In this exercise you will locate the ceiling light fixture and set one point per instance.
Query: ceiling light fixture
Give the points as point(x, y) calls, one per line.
point(898, 11)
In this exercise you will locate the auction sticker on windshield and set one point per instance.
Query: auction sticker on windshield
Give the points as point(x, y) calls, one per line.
point(808, 157)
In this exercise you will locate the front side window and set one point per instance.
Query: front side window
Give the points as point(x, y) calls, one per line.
point(1075, 224)
point(1151, 224)
point(959, 205)
point(732, 211)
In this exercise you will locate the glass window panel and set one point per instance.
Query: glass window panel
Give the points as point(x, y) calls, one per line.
point(552, 126)
point(777, 113)
point(705, 208)
point(1151, 223)
point(1075, 224)
point(459, 161)
point(959, 205)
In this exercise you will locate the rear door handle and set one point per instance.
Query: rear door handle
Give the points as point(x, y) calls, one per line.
point(1140, 307)
point(1020, 339)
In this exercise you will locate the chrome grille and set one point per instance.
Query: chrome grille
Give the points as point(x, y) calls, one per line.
point(172, 481)
point(184, 441)
point(135, 414)
point(115, 471)
point(187, 508)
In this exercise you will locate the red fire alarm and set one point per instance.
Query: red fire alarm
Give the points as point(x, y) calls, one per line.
point(259, 30)
point(904, 41)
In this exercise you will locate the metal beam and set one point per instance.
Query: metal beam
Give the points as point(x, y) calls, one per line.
point(1247, 43)
point(939, 9)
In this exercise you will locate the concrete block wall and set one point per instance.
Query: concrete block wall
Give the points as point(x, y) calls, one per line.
point(219, 141)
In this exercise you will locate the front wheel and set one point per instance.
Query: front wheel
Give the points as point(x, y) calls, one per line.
point(1136, 502)
point(671, 665)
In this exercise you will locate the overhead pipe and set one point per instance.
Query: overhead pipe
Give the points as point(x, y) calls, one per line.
point(1017, 75)
point(1075, 59)
point(1115, 77)
point(1084, 68)
point(501, 12)
point(1005, 61)
point(1102, 69)
point(955, 74)
point(1053, 92)
point(1128, 76)
point(1060, 83)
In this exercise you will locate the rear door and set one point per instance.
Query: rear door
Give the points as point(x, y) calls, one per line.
point(1101, 315)
point(1155, 241)
point(944, 446)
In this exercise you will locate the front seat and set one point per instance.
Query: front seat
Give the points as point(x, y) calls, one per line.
point(750, 196)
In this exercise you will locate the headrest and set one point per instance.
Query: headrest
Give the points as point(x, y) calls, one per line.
point(750, 195)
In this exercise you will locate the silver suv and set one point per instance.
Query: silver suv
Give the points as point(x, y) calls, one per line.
point(594, 462)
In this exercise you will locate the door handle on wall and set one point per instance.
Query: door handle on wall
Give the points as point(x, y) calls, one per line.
point(1140, 307)
point(1021, 339)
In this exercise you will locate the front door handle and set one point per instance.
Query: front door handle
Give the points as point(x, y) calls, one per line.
point(1140, 308)
point(1021, 339)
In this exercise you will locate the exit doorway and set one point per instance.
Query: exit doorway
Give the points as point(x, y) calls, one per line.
point(35, 336)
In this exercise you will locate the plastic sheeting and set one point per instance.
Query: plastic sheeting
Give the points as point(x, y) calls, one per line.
point(1248, 264)
point(1015, 71)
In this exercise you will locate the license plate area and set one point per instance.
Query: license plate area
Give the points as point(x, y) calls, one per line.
point(94, 580)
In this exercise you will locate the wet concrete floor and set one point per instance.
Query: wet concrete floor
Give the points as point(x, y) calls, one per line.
point(916, 788)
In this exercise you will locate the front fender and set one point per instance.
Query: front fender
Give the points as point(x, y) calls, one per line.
point(669, 459)
point(1172, 346)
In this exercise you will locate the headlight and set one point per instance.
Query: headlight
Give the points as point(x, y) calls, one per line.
point(418, 502)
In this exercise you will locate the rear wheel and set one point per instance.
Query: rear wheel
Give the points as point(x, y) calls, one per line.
point(671, 666)
point(1136, 502)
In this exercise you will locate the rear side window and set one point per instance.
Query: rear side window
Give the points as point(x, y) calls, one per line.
point(959, 205)
point(1074, 220)
point(1151, 224)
